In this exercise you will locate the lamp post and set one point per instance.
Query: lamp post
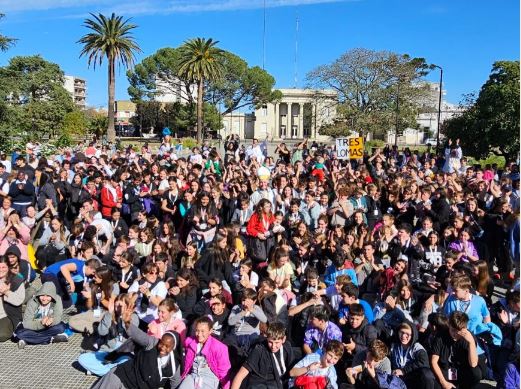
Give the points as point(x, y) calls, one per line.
point(397, 113)
point(439, 108)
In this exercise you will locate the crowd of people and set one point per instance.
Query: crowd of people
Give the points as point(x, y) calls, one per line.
point(248, 270)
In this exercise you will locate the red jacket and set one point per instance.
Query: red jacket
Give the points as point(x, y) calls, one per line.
point(107, 200)
point(256, 225)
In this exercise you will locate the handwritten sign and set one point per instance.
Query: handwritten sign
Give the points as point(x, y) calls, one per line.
point(350, 148)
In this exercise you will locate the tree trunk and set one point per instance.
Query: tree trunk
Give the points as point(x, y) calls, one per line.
point(200, 112)
point(111, 133)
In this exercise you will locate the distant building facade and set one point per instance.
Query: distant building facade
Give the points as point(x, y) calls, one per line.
point(124, 110)
point(239, 124)
point(174, 92)
point(299, 114)
point(427, 119)
point(77, 88)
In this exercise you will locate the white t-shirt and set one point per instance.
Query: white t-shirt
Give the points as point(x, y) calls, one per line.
point(151, 313)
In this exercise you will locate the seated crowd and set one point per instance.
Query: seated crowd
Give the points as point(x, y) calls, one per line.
point(256, 271)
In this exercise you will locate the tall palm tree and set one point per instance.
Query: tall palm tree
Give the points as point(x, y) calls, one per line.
point(111, 38)
point(200, 61)
point(5, 41)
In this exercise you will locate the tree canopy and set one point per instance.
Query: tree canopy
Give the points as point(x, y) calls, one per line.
point(178, 117)
point(369, 86)
point(240, 85)
point(33, 100)
point(490, 122)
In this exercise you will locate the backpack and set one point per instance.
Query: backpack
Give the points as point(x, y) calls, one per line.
point(310, 382)
point(389, 381)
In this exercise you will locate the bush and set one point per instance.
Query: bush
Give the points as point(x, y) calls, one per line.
point(188, 143)
point(375, 143)
point(491, 159)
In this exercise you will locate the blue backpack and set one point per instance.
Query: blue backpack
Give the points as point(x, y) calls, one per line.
point(388, 381)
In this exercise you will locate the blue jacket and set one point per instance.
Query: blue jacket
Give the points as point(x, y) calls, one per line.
point(343, 310)
point(332, 273)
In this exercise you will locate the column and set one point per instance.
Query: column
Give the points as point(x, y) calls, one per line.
point(301, 120)
point(288, 120)
point(276, 132)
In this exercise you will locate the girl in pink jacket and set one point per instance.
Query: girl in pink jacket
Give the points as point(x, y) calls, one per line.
point(207, 363)
point(15, 233)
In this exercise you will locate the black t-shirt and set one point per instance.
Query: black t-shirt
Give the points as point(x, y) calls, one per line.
point(170, 198)
point(451, 353)
point(220, 324)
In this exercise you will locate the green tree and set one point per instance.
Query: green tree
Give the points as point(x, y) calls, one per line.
point(241, 86)
point(490, 122)
point(5, 41)
point(369, 85)
point(97, 122)
point(75, 123)
point(201, 60)
point(111, 38)
point(158, 74)
point(33, 100)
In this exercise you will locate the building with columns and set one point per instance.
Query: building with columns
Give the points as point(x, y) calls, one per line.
point(299, 114)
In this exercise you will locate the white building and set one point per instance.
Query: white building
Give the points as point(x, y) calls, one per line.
point(299, 114)
point(77, 88)
point(238, 123)
point(427, 118)
point(173, 91)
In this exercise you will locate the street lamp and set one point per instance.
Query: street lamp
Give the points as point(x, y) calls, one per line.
point(439, 107)
point(397, 113)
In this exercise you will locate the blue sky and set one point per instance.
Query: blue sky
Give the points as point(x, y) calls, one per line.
point(464, 37)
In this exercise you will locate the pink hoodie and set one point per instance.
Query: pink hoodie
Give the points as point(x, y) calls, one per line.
point(216, 354)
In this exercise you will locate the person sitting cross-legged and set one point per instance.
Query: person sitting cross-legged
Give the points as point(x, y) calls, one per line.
point(42, 322)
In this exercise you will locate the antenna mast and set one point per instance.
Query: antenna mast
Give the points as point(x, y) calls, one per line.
point(296, 50)
point(264, 38)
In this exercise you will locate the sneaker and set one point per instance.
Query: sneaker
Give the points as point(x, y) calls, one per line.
point(21, 344)
point(60, 338)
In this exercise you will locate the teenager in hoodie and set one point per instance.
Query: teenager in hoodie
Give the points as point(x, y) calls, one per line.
point(409, 360)
point(42, 322)
point(357, 334)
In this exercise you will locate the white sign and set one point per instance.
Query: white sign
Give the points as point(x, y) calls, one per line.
point(342, 148)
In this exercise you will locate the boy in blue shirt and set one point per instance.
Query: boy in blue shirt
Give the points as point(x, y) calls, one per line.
point(68, 274)
point(337, 268)
point(349, 295)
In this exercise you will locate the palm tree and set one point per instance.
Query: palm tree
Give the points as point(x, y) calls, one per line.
point(200, 61)
point(111, 38)
point(5, 41)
